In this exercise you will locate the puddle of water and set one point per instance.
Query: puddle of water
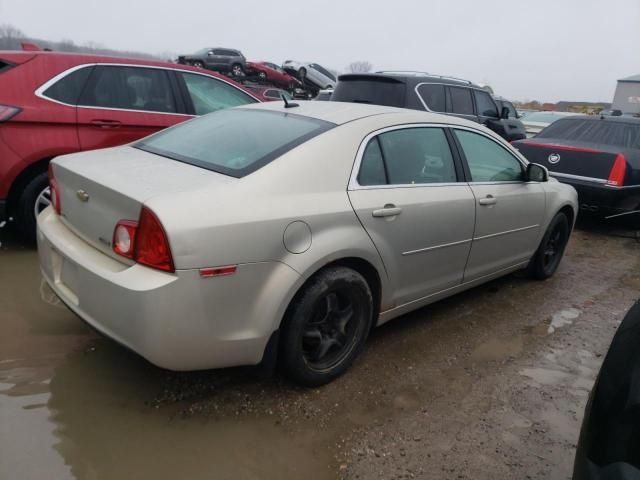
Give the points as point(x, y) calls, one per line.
point(75, 406)
point(563, 318)
point(498, 349)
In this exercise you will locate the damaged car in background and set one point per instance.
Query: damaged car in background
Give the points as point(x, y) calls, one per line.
point(364, 213)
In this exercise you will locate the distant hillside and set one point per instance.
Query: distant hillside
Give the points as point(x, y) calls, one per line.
point(11, 38)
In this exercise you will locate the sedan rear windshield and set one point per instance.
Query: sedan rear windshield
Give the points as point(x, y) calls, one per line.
point(377, 91)
point(618, 134)
point(234, 142)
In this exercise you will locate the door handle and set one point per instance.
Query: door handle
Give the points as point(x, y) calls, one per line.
point(103, 123)
point(389, 210)
point(488, 200)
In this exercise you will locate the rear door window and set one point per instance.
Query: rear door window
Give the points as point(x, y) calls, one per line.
point(68, 89)
point(485, 104)
point(129, 88)
point(461, 101)
point(209, 94)
point(408, 156)
point(433, 95)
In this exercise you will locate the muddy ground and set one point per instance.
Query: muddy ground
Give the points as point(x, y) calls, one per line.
point(489, 384)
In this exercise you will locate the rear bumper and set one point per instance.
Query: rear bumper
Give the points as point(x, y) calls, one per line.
point(602, 200)
point(176, 321)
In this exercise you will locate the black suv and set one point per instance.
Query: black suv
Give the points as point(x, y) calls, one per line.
point(226, 60)
point(433, 93)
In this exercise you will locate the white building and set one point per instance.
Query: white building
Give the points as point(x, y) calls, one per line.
point(627, 96)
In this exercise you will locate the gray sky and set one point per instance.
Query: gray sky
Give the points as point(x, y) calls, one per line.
point(546, 50)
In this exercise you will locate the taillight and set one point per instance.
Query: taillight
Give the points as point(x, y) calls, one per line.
point(55, 190)
point(144, 241)
point(616, 175)
point(7, 112)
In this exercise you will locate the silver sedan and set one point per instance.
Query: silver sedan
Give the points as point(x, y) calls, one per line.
point(287, 232)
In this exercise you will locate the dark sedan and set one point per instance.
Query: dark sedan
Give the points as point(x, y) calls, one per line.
point(598, 156)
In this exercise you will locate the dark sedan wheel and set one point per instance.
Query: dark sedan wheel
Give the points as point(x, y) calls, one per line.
point(326, 326)
point(198, 64)
point(547, 258)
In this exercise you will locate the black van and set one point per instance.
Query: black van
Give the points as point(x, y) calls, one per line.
point(432, 93)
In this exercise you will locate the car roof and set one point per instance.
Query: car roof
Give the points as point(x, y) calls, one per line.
point(406, 76)
point(343, 112)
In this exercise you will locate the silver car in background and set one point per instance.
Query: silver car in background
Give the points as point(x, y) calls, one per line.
point(311, 72)
point(289, 231)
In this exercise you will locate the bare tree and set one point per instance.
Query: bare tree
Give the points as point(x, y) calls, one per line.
point(359, 67)
point(10, 37)
point(10, 32)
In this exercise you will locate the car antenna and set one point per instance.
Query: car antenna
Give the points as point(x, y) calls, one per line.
point(287, 104)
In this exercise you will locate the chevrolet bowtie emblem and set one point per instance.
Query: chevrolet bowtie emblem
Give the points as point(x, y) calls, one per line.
point(82, 196)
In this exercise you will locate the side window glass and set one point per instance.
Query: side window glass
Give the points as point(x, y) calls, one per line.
point(130, 88)
point(69, 88)
point(372, 167)
point(417, 155)
point(461, 101)
point(433, 95)
point(209, 94)
point(488, 161)
point(485, 104)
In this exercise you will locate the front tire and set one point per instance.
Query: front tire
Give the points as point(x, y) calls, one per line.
point(326, 326)
point(31, 199)
point(549, 254)
point(198, 64)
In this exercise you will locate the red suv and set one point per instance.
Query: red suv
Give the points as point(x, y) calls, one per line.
point(57, 103)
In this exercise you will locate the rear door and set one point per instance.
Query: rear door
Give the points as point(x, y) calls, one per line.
point(406, 193)
point(121, 104)
point(509, 211)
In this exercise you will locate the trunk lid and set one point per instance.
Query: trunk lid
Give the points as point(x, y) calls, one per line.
point(102, 187)
point(584, 160)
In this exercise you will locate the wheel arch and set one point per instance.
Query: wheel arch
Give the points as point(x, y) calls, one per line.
point(22, 179)
point(364, 267)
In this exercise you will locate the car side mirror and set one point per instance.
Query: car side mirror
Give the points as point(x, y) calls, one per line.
point(504, 113)
point(210, 53)
point(537, 173)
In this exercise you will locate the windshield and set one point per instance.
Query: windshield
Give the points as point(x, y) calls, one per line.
point(234, 142)
point(619, 134)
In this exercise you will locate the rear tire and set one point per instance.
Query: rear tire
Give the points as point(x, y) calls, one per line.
point(549, 254)
point(198, 64)
point(25, 211)
point(326, 326)
point(236, 70)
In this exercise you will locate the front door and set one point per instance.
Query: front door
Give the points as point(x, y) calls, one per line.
point(419, 216)
point(509, 211)
point(121, 104)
